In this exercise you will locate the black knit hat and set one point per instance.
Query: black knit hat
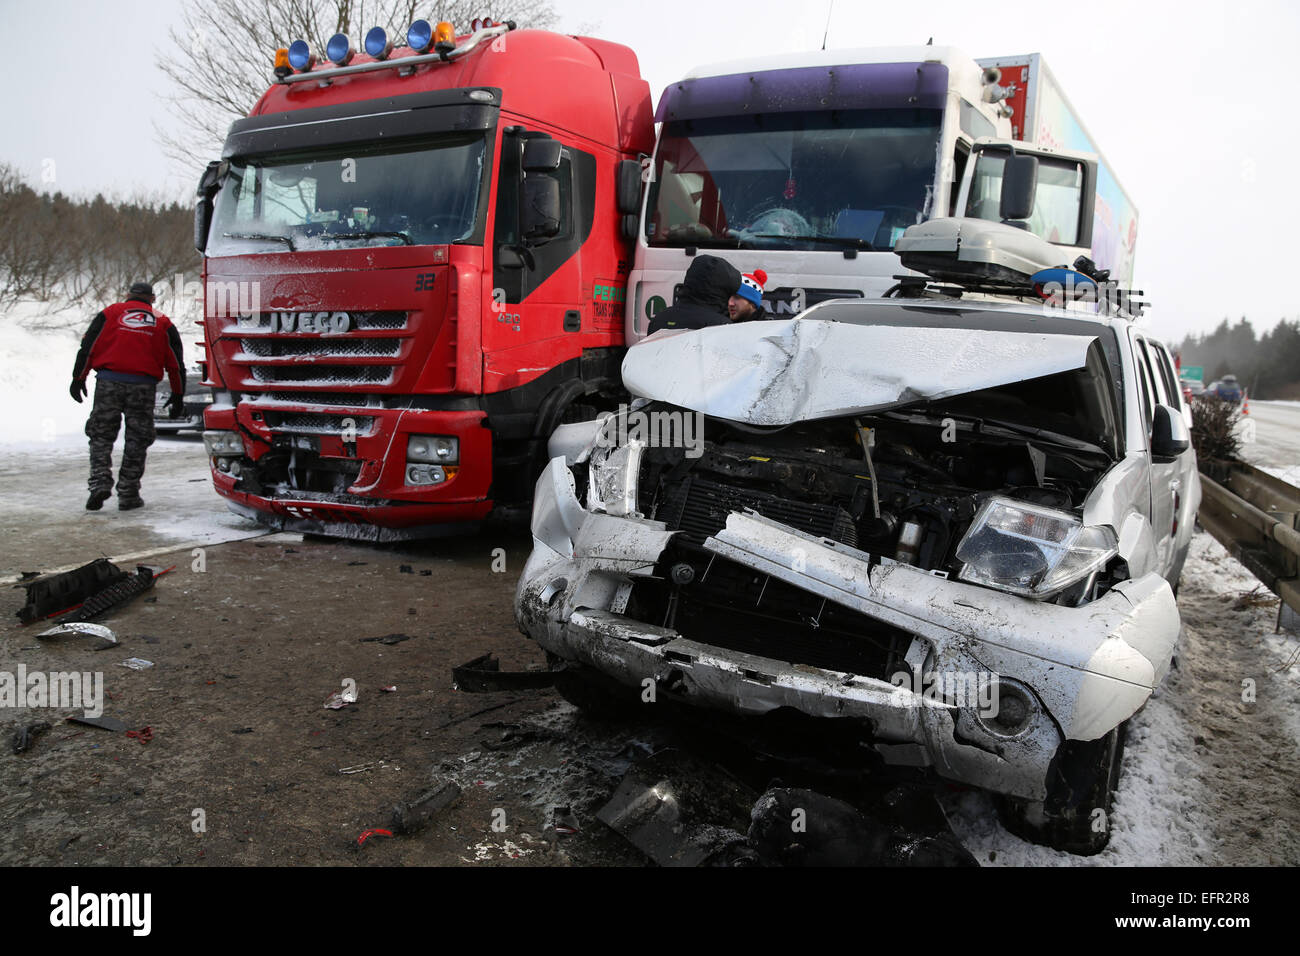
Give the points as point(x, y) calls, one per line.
point(141, 290)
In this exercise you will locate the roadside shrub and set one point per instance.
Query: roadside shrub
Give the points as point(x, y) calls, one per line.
point(1214, 423)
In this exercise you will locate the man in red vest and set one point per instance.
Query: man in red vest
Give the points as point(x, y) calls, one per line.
point(129, 345)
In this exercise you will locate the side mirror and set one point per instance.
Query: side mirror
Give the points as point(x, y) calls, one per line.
point(539, 214)
point(1019, 185)
point(627, 190)
point(542, 155)
point(209, 183)
point(1169, 435)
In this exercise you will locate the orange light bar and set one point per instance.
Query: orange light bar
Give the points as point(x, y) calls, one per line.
point(282, 57)
point(444, 37)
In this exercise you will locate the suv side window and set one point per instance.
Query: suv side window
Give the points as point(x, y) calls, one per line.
point(1146, 386)
point(1166, 366)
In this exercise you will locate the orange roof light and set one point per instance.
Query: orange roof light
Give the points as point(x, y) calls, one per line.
point(282, 67)
point(444, 37)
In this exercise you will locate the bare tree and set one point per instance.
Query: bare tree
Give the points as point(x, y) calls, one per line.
point(220, 58)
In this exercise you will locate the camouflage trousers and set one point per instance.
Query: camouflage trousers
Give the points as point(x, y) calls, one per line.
point(113, 402)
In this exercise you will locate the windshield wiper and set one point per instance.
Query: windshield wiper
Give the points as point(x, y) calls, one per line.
point(329, 236)
point(260, 235)
point(844, 242)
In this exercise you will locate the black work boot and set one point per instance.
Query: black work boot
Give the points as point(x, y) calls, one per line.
point(96, 500)
point(125, 503)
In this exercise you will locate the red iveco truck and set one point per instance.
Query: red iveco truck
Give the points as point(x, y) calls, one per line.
point(415, 267)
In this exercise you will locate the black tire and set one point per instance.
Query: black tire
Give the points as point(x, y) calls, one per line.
point(1076, 816)
point(597, 695)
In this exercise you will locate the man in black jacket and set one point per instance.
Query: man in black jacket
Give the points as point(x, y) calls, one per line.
point(702, 301)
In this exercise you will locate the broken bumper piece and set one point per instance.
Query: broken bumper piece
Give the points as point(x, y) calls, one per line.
point(984, 691)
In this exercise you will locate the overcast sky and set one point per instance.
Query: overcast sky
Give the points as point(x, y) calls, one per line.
point(1190, 102)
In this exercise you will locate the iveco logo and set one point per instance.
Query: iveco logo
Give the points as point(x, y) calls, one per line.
point(310, 322)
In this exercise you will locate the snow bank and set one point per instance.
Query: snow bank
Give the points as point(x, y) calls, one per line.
point(35, 371)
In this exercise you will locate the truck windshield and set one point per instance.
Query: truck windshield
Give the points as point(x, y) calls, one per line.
point(421, 194)
point(794, 180)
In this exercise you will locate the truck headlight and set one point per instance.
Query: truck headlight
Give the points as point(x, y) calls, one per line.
point(1031, 550)
point(433, 449)
point(612, 478)
point(223, 443)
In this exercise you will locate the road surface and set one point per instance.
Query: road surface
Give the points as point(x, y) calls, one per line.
point(1273, 440)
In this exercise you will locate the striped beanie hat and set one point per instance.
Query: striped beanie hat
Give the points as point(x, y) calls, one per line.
point(751, 286)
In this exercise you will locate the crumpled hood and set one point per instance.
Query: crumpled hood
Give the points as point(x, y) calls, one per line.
point(784, 371)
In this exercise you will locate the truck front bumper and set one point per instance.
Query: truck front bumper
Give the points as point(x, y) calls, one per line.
point(378, 504)
point(1065, 673)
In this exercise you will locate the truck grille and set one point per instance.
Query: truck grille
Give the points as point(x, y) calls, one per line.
point(323, 374)
point(351, 348)
point(698, 508)
point(266, 351)
point(306, 423)
point(361, 321)
point(351, 399)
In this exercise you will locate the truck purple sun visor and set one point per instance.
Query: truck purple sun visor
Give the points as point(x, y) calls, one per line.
point(850, 86)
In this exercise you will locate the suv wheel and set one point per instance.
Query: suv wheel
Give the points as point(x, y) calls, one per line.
point(1076, 816)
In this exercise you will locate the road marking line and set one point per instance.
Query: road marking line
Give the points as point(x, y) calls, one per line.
point(154, 552)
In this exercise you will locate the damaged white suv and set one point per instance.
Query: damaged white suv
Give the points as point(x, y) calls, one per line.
point(953, 522)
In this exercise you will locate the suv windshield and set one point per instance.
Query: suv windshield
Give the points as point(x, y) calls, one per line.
point(794, 180)
point(421, 194)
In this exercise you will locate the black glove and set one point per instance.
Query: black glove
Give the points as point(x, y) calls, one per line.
point(77, 390)
point(177, 405)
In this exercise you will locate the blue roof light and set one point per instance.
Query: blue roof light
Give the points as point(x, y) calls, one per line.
point(300, 57)
point(339, 49)
point(419, 36)
point(377, 44)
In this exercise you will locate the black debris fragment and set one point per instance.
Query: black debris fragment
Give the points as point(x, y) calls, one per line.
point(242, 730)
point(53, 593)
point(103, 723)
point(26, 735)
point(681, 811)
point(414, 815)
point(120, 592)
point(426, 573)
point(405, 569)
point(483, 675)
point(386, 639)
point(797, 827)
point(357, 564)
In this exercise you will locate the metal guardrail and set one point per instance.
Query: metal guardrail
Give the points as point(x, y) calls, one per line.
point(1257, 518)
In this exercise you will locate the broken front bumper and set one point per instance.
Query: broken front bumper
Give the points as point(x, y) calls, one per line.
point(1059, 672)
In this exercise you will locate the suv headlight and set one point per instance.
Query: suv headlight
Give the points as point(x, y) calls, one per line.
point(612, 478)
point(1031, 550)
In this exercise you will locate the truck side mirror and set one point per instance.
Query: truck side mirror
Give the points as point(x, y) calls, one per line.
point(539, 214)
point(542, 155)
point(209, 183)
point(627, 190)
point(1019, 185)
point(1169, 435)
